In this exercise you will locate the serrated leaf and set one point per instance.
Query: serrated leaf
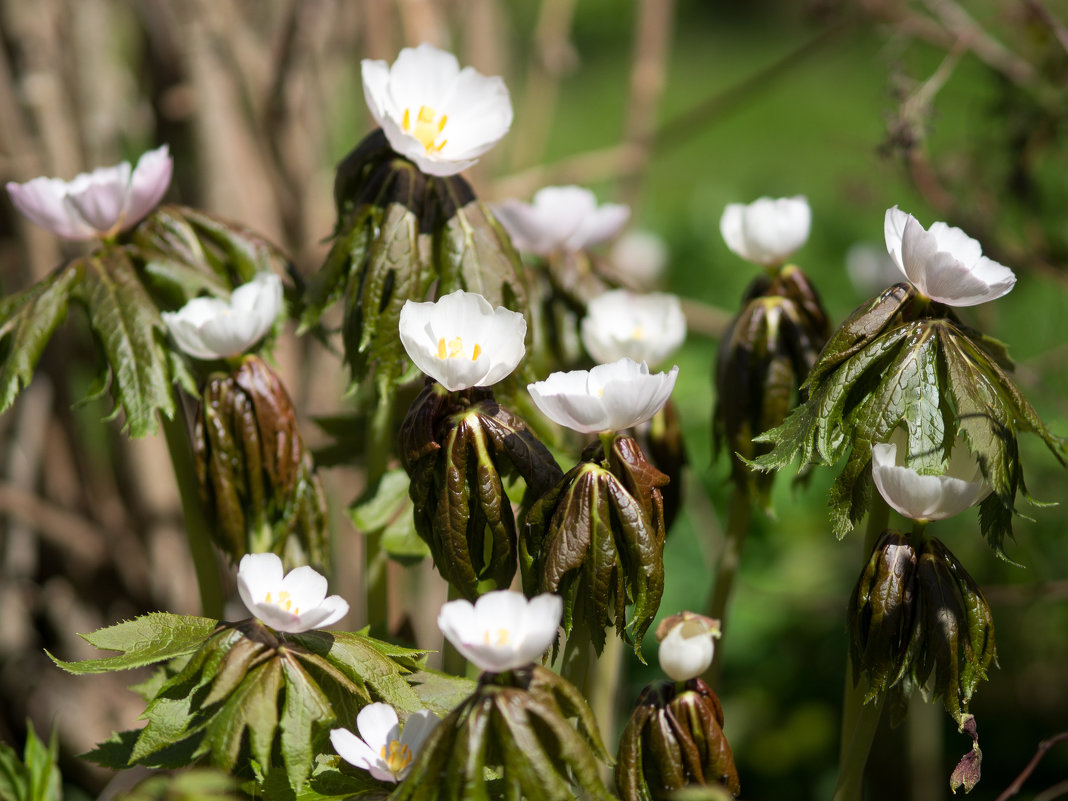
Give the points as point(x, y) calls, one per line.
point(27, 321)
point(305, 708)
point(440, 692)
point(143, 641)
point(128, 326)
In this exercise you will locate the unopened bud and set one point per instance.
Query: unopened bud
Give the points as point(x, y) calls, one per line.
point(686, 644)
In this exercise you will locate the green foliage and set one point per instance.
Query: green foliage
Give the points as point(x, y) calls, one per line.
point(245, 692)
point(597, 539)
point(388, 513)
point(514, 728)
point(901, 360)
point(200, 784)
point(36, 776)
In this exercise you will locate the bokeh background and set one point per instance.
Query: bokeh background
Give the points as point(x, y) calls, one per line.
point(951, 110)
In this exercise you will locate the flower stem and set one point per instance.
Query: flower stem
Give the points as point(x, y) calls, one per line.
point(376, 455)
point(197, 526)
point(579, 658)
point(730, 559)
point(604, 694)
point(607, 438)
point(856, 715)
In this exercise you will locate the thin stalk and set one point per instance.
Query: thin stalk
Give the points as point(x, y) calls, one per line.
point(579, 658)
point(738, 517)
point(855, 712)
point(604, 694)
point(197, 527)
point(851, 775)
point(376, 577)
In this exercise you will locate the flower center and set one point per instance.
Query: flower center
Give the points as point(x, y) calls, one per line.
point(397, 756)
point(284, 601)
point(428, 127)
point(503, 637)
point(454, 348)
point(638, 333)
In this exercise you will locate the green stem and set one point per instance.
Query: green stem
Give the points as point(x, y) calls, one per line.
point(851, 775)
point(607, 438)
point(604, 694)
point(853, 706)
point(579, 658)
point(738, 517)
point(376, 458)
point(197, 526)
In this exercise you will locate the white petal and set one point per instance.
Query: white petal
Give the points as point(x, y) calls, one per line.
point(327, 613)
point(766, 231)
point(378, 724)
point(422, 76)
point(148, 184)
point(306, 587)
point(352, 749)
point(417, 728)
point(42, 202)
point(894, 223)
point(257, 574)
point(640, 256)
point(607, 221)
point(685, 657)
point(375, 75)
point(579, 410)
point(922, 497)
point(99, 197)
point(541, 620)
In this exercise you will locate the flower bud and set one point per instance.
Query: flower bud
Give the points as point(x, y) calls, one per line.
point(686, 644)
point(764, 358)
point(257, 480)
point(457, 449)
point(917, 620)
point(674, 739)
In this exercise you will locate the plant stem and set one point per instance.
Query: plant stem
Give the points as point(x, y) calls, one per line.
point(197, 527)
point(855, 713)
point(579, 657)
point(851, 771)
point(452, 662)
point(376, 458)
point(738, 517)
point(604, 694)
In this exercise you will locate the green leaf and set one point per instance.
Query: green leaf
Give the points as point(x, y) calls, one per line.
point(143, 641)
point(199, 784)
point(472, 252)
point(306, 707)
point(34, 777)
point(388, 513)
point(440, 692)
point(129, 328)
point(27, 322)
point(252, 706)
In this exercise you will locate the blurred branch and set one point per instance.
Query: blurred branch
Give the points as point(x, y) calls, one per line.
point(691, 123)
point(85, 542)
point(1058, 29)
point(652, 46)
point(1043, 747)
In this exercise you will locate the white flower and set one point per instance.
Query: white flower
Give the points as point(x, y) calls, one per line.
point(432, 112)
point(686, 645)
point(640, 257)
point(561, 218)
point(100, 203)
point(461, 341)
point(295, 603)
point(766, 231)
point(210, 328)
point(645, 328)
point(944, 263)
point(502, 630)
point(384, 750)
point(922, 497)
point(610, 397)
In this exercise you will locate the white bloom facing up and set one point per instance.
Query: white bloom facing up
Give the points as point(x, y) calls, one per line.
point(461, 341)
point(440, 116)
point(502, 630)
point(766, 231)
point(943, 262)
point(293, 603)
point(644, 328)
point(100, 203)
point(922, 497)
point(686, 645)
point(610, 397)
point(383, 748)
point(560, 218)
point(210, 328)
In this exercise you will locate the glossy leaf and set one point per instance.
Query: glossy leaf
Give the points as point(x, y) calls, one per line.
point(143, 641)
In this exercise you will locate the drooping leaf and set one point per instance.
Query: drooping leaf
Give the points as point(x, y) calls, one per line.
point(145, 640)
point(128, 326)
point(27, 321)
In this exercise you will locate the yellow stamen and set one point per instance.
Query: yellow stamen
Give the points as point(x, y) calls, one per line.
point(284, 601)
point(637, 333)
point(428, 127)
point(503, 637)
point(396, 755)
point(454, 347)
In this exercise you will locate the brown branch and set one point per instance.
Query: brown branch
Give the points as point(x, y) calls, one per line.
point(1043, 747)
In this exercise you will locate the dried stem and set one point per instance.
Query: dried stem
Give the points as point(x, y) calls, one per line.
point(1040, 752)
